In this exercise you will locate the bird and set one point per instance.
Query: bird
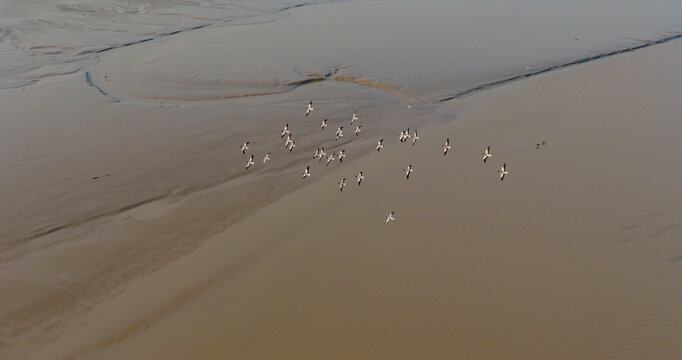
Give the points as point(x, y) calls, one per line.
point(266, 158)
point(316, 154)
point(291, 146)
point(245, 146)
point(446, 147)
point(503, 171)
point(342, 184)
point(249, 162)
point(380, 144)
point(309, 109)
point(330, 158)
point(360, 177)
point(408, 171)
point(322, 154)
point(286, 131)
point(415, 137)
point(324, 124)
point(342, 154)
point(306, 172)
point(358, 130)
point(339, 133)
point(486, 154)
point(288, 142)
point(390, 217)
point(404, 135)
point(355, 117)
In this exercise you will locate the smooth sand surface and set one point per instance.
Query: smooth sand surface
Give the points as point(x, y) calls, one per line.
point(575, 255)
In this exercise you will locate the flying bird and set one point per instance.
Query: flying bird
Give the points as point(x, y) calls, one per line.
point(503, 171)
point(380, 144)
point(390, 217)
point(446, 147)
point(404, 135)
point(355, 117)
point(330, 158)
point(339, 133)
point(316, 154)
point(291, 146)
point(245, 146)
point(324, 124)
point(322, 154)
point(360, 177)
point(415, 137)
point(408, 171)
point(358, 130)
point(286, 131)
point(288, 142)
point(342, 184)
point(249, 163)
point(266, 158)
point(309, 109)
point(486, 154)
point(306, 172)
point(342, 154)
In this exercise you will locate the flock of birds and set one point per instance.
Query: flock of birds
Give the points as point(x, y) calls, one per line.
point(320, 153)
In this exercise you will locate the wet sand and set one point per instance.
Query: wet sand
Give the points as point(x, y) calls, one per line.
point(575, 255)
point(119, 156)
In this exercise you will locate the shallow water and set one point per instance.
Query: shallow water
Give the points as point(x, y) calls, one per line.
point(429, 50)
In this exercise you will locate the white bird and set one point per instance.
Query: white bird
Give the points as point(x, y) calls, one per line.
point(286, 131)
point(342, 184)
point(415, 137)
point(309, 109)
point(292, 146)
point(288, 142)
point(380, 144)
point(486, 154)
point(355, 117)
point(390, 217)
point(316, 154)
point(306, 172)
point(245, 146)
point(503, 171)
point(360, 177)
point(249, 162)
point(339, 133)
point(342, 154)
point(322, 154)
point(404, 135)
point(266, 158)
point(324, 124)
point(358, 130)
point(446, 147)
point(330, 158)
point(408, 171)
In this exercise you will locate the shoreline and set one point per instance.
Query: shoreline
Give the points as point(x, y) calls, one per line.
point(493, 84)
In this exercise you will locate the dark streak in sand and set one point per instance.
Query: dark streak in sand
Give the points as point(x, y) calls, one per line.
point(557, 67)
point(88, 79)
